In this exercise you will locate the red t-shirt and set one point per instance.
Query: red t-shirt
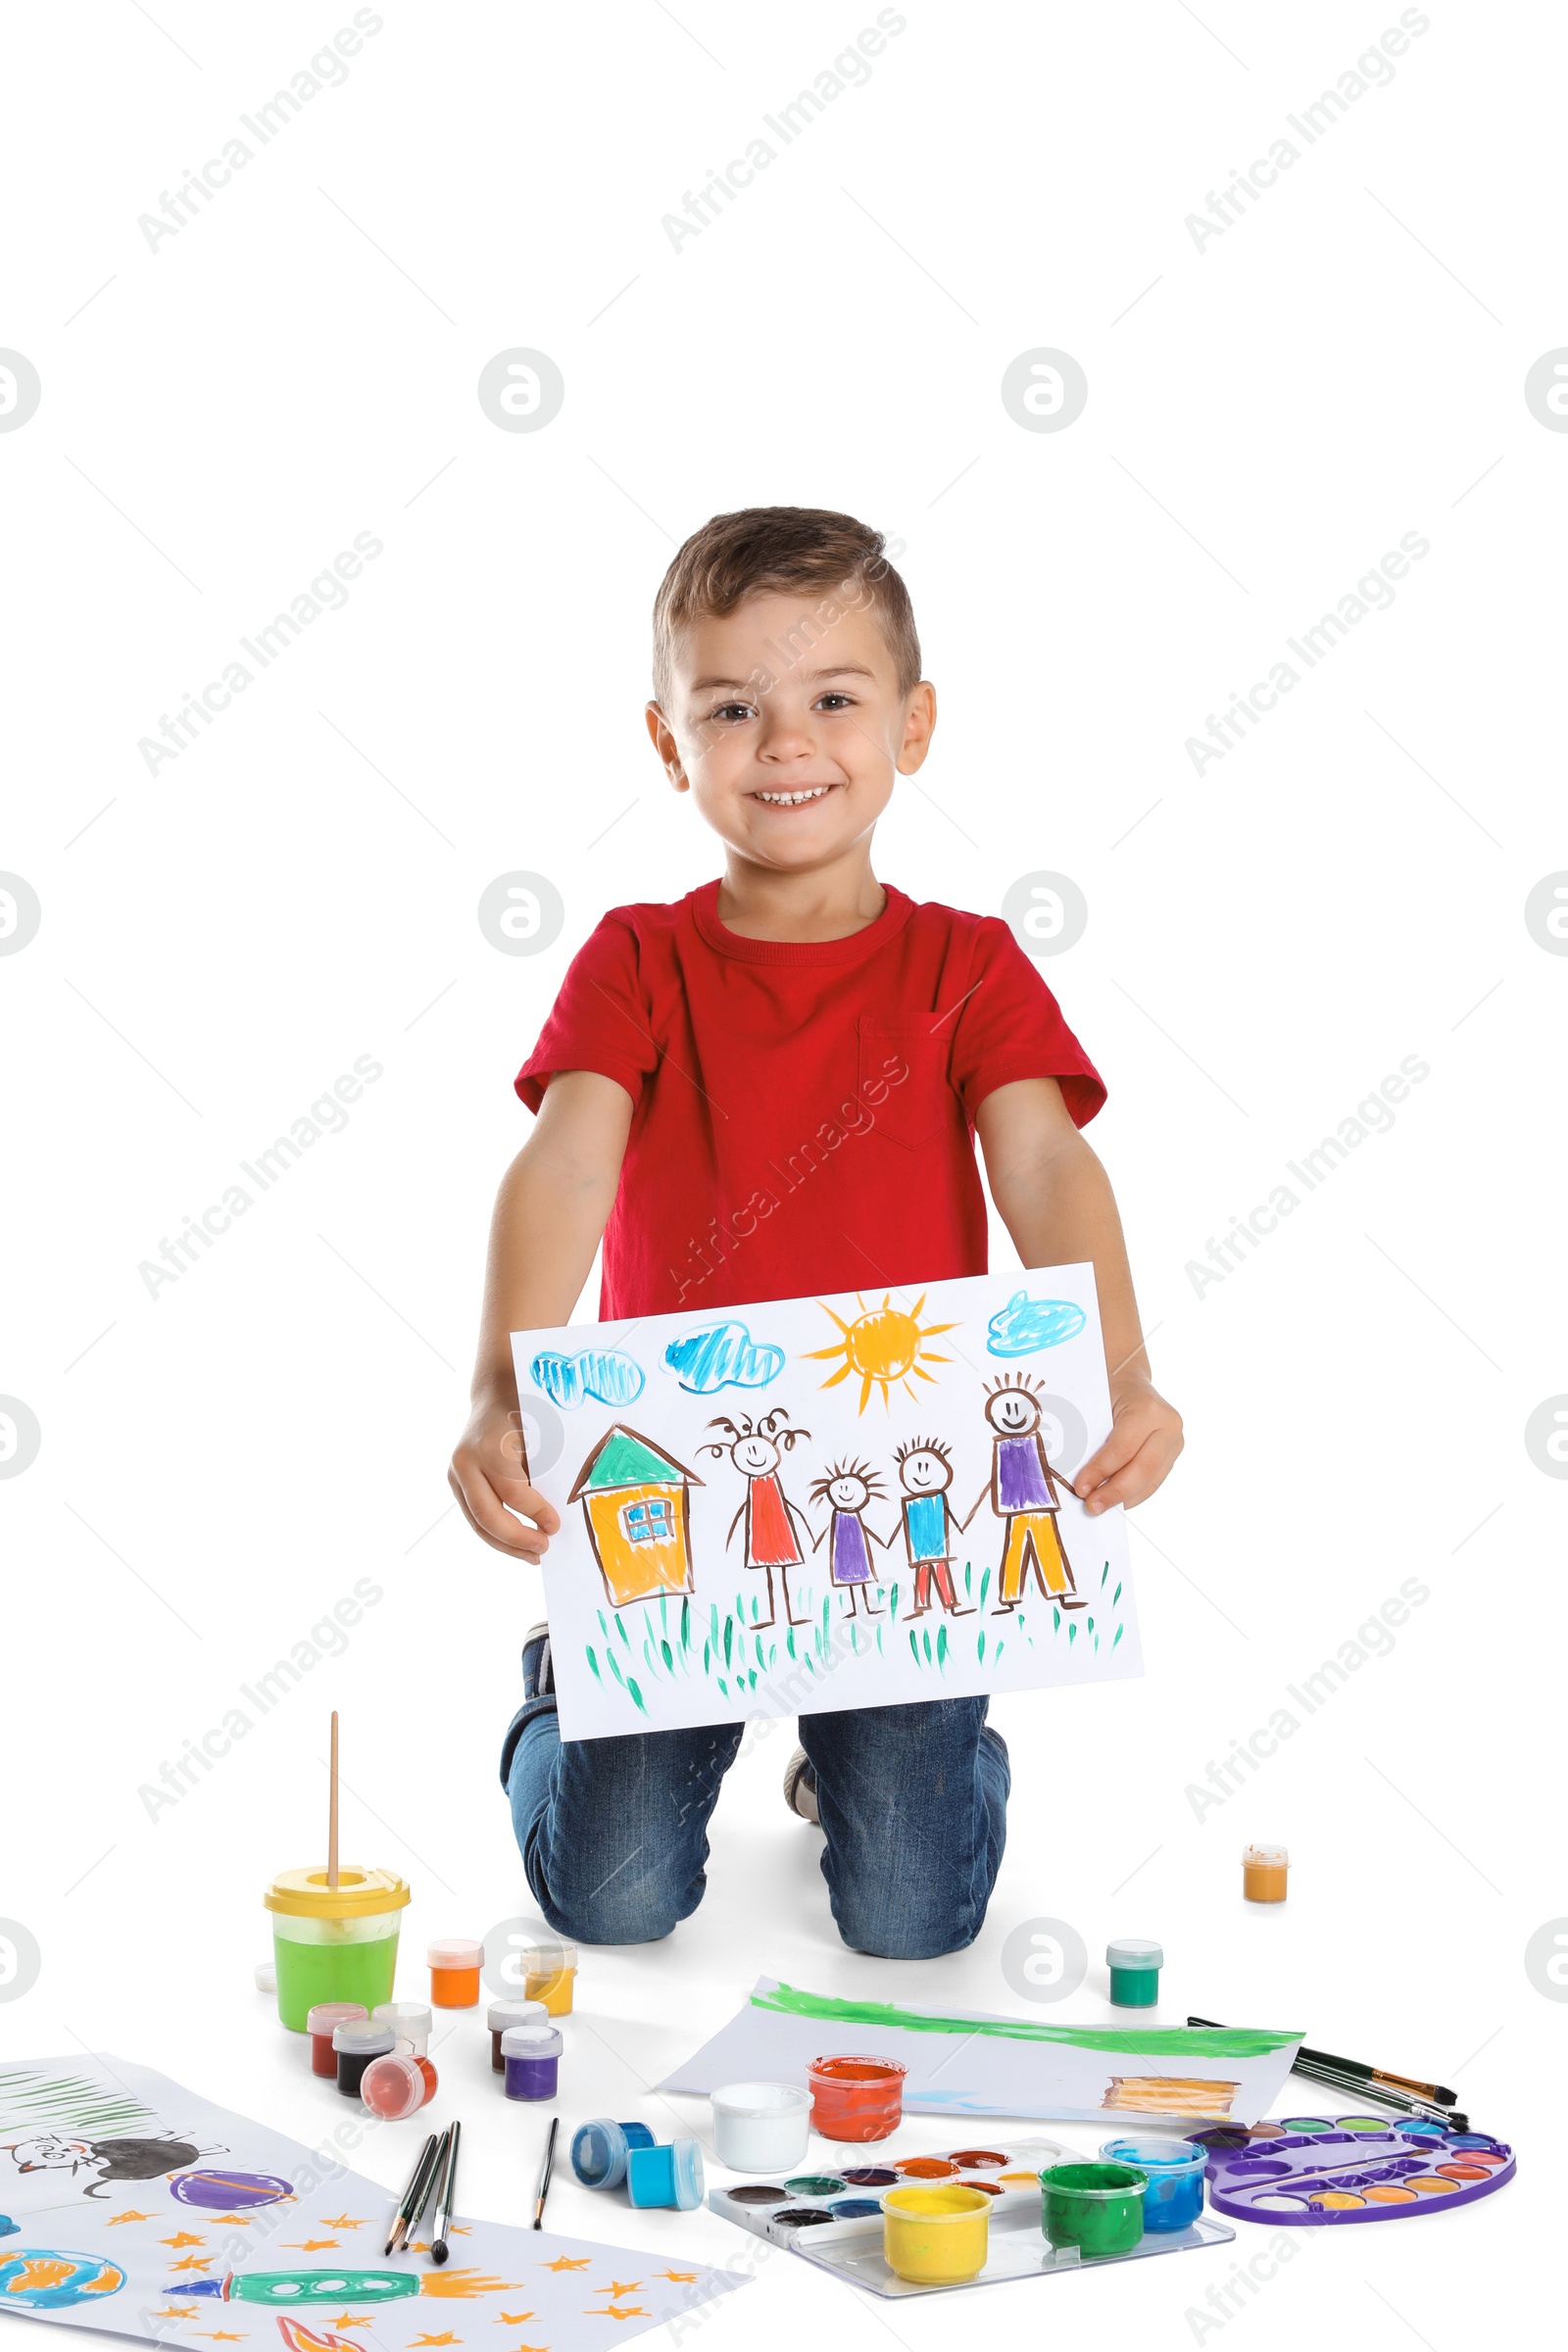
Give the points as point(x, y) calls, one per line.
point(805, 1109)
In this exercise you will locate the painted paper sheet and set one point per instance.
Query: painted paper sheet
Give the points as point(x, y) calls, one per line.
point(973, 2062)
point(839, 1502)
point(130, 2204)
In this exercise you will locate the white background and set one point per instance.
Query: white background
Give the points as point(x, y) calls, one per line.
point(1266, 417)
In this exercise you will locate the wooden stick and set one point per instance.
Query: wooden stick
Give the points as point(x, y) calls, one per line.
point(331, 1812)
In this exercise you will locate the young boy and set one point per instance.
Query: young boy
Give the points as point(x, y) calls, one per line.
point(769, 1089)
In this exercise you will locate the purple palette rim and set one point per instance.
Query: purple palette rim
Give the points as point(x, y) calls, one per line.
point(1242, 2174)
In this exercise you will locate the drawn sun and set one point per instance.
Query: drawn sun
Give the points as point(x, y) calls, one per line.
point(883, 1348)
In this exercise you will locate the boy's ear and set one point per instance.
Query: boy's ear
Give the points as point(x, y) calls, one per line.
point(919, 724)
point(663, 741)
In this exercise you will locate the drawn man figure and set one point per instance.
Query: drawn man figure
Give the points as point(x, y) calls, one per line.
point(770, 1515)
point(925, 1473)
point(849, 1486)
point(1023, 1495)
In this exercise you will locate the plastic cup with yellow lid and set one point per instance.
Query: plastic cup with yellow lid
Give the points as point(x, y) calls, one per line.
point(334, 1944)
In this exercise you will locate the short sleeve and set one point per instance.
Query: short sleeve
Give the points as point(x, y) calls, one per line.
point(599, 1020)
point(1010, 1026)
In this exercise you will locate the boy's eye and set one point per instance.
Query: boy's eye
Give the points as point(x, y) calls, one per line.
point(731, 712)
point(835, 701)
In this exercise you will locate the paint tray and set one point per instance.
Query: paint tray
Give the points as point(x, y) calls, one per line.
point(850, 2245)
point(1311, 2170)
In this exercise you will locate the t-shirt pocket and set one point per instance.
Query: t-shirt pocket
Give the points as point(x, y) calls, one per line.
point(903, 1081)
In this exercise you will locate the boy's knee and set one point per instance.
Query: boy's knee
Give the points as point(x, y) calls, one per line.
point(898, 1934)
point(637, 1915)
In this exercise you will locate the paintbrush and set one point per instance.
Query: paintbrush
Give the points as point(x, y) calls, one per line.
point(446, 2195)
point(1313, 2067)
point(402, 2219)
point(1353, 2069)
point(548, 2166)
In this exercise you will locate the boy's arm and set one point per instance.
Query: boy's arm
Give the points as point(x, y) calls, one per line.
point(553, 1205)
point(1055, 1200)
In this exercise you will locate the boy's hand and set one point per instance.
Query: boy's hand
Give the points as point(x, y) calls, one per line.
point(1146, 1436)
point(486, 1476)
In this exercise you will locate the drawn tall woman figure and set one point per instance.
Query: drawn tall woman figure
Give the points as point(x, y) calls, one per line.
point(770, 1517)
point(849, 1486)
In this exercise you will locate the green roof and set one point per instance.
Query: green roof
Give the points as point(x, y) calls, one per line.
point(621, 1459)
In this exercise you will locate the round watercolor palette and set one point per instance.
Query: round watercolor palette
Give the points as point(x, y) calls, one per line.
point(1350, 2168)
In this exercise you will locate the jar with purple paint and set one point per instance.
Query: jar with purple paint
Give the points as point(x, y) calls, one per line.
point(530, 2057)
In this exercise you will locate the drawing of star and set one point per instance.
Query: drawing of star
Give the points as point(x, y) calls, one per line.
point(309, 2245)
point(182, 2237)
point(569, 2262)
point(240, 2220)
point(217, 2335)
point(130, 2215)
point(183, 2311)
point(618, 2287)
point(194, 2262)
point(340, 2221)
point(612, 2311)
point(682, 2275)
point(448, 2338)
point(512, 2319)
point(346, 2320)
point(460, 2229)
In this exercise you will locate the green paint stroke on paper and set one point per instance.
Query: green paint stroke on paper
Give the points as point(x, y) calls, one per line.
point(1131, 2041)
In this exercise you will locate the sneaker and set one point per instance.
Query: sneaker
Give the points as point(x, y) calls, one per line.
point(800, 1787)
point(538, 1674)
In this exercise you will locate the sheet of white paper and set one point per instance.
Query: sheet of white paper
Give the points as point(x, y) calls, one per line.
point(132, 2205)
point(1001, 2066)
point(839, 1502)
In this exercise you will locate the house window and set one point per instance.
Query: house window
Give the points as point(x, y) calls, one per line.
point(651, 1521)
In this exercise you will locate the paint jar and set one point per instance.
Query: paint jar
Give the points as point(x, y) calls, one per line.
point(1264, 1871)
point(550, 1972)
point(502, 2014)
point(1099, 2208)
point(1135, 1966)
point(855, 2098)
point(411, 2023)
point(356, 2046)
point(530, 2061)
point(936, 2236)
point(600, 2150)
point(761, 2126)
point(455, 1967)
point(320, 2024)
point(396, 2087)
point(667, 2175)
point(333, 1943)
point(1174, 2198)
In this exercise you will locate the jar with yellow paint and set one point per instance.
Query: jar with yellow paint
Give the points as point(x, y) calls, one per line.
point(549, 1974)
point(936, 2236)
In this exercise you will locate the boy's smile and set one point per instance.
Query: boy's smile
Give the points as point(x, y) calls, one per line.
point(787, 725)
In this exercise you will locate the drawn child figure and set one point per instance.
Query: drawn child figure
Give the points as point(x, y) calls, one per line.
point(925, 1473)
point(1023, 1494)
point(849, 1486)
point(770, 1515)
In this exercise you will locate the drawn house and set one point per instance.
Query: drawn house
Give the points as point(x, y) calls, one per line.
point(636, 1499)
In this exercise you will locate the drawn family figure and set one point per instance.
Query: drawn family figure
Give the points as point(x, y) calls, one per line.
point(848, 1488)
point(769, 1516)
point(925, 1473)
point(1023, 1494)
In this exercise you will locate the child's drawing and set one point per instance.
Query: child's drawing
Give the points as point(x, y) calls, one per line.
point(1025, 1324)
point(846, 1487)
point(724, 1355)
point(770, 1517)
point(1023, 1494)
point(636, 1502)
point(44, 2279)
point(100, 2163)
point(882, 1347)
point(925, 1473)
point(811, 1569)
point(602, 1374)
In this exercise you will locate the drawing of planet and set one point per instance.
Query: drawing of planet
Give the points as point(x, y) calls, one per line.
point(228, 2192)
point(42, 2279)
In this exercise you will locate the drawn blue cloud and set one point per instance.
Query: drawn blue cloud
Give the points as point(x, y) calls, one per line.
point(602, 1373)
point(1025, 1324)
point(723, 1357)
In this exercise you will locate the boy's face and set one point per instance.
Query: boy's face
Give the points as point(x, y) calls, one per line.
point(792, 774)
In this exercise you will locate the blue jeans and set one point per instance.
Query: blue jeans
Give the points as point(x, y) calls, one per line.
point(913, 1801)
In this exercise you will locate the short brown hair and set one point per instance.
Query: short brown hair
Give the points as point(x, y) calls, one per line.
point(759, 548)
